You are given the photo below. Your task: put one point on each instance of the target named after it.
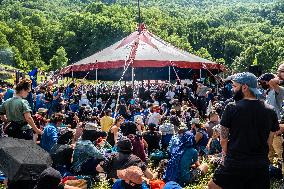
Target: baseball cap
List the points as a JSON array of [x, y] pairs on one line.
[[249, 79], [266, 77]]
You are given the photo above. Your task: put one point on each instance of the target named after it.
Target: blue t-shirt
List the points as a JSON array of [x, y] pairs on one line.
[[40, 100], [9, 94], [119, 185], [57, 101], [189, 157], [49, 137]]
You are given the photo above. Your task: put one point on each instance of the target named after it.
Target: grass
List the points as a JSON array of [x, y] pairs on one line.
[[202, 184]]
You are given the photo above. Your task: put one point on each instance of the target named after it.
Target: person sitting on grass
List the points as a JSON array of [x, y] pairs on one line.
[[184, 167], [123, 159], [50, 132], [214, 145], [86, 155], [130, 178]]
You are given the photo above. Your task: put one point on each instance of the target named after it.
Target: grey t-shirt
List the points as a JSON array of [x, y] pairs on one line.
[[202, 91], [276, 99], [14, 109]]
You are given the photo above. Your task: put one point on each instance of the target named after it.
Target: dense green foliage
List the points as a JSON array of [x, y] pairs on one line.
[[51, 33]]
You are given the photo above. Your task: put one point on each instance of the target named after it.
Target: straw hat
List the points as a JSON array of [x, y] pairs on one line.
[[133, 173]]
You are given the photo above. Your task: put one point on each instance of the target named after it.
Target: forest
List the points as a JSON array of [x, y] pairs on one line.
[[50, 34]]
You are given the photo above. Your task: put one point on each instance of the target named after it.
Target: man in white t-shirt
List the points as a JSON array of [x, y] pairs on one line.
[[170, 95], [155, 117]]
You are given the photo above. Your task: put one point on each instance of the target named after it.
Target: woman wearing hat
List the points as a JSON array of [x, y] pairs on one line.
[[130, 178]]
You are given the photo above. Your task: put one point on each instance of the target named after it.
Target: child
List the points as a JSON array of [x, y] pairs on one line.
[[214, 144]]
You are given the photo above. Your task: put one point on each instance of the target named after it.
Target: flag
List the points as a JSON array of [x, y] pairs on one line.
[[33, 77]]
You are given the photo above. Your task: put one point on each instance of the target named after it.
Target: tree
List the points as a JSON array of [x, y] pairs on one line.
[[246, 58], [59, 60], [3, 41], [231, 51], [268, 55], [203, 53]]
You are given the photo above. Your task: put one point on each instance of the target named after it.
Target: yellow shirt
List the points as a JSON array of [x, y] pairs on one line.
[[106, 123]]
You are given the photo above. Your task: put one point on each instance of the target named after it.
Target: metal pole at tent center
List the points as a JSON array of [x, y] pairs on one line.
[[200, 74], [96, 84], [132, 76], [169, 74], [72, 75]]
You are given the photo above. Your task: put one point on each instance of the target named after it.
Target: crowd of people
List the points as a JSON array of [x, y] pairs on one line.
[[152, 136]]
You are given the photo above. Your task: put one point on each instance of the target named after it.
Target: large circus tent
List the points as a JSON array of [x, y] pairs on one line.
[[140, 56]]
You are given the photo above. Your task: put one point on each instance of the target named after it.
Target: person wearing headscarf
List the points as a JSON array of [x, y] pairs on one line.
[[86, 155], [182, 159]]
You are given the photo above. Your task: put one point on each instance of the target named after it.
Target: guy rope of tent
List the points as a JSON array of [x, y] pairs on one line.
[[112, 88], [219, 81], [130, 59], [176, 73]]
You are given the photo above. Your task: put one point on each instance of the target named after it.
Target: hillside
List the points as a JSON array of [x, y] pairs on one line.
[[53, 33]]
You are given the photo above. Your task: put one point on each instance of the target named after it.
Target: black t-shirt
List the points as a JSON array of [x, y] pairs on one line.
[[152, 139], [48, 96], [250, 123], [61, 155], [119, 161]]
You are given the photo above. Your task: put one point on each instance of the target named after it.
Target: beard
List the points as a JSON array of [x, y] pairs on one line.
[[238, 95]]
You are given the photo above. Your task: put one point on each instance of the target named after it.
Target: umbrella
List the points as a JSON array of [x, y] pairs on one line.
[[22, 159]]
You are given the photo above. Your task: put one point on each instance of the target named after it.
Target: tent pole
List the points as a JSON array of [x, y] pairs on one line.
[[72, 76], [132, 74], [96, 84], [169, 74], [200, 74]]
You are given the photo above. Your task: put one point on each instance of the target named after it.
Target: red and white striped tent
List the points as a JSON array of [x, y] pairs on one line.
[[143, 51]]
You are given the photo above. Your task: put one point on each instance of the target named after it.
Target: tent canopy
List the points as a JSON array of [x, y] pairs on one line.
[[141, 49]]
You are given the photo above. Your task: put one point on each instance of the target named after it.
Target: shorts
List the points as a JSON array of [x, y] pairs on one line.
[[228, 177]]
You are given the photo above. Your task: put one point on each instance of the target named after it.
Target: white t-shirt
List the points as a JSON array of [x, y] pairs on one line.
[[154, 118], [170, 95], [84, 101]]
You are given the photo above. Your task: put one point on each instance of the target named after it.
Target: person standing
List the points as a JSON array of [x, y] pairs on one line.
[[16, 112], [201, 98], [274, 97], [247, 129]]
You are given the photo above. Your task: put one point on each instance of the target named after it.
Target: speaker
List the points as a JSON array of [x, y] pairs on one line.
[[256, 70]]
